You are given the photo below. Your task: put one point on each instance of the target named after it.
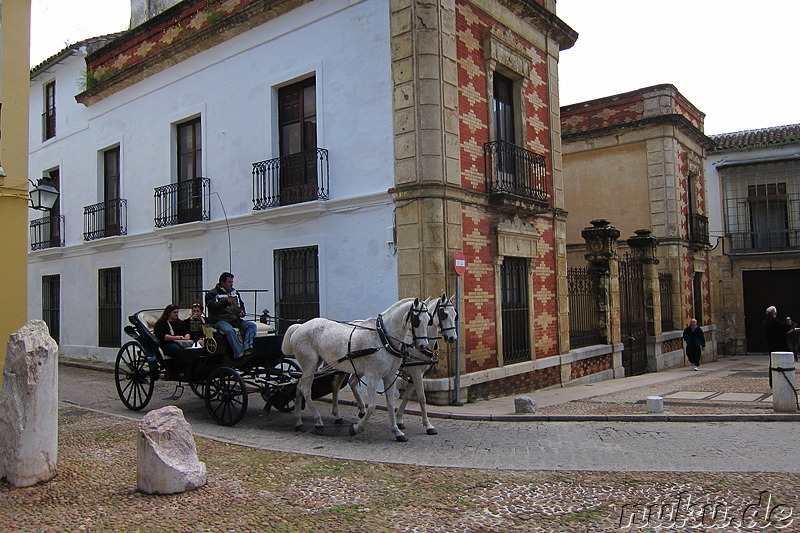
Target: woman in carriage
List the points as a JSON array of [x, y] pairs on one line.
[[172, 333]]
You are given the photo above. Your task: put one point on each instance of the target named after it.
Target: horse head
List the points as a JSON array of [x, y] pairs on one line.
[[420, 318], [446, 315]]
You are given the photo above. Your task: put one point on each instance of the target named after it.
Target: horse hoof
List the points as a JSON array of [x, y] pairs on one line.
[[400, 425], [299, 428], [401, 438], [431, 431], [339, 421], [353, 430], [362, 415], [318, 430]]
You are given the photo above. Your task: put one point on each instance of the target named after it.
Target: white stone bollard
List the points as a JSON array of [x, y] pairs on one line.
[[784, 399], [524, 405], [655, 404], [166, 454], [29, 407]]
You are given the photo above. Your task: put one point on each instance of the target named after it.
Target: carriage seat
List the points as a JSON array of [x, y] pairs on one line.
[[149, 317]]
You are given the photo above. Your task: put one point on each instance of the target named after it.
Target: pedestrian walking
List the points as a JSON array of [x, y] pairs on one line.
[[793, 338], [776, 331], [695, 343]]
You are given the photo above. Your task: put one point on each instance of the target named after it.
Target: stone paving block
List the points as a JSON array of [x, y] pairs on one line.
[[688, 395], [738, 397]]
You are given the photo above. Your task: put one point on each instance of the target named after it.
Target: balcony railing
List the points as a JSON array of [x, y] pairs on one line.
[[105, 219], [763, 223], [47, 232], [698, 228], [515, 171], [291, 179], [179, 203]]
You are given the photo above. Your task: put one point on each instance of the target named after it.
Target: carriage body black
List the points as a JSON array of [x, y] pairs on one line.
[[210, 371]]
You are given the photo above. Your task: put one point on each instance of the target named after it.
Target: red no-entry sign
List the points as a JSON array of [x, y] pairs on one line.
[[460, 263]]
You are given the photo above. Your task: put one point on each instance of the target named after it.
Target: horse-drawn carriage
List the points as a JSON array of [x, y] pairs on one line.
[[324, 354], [209, 370]]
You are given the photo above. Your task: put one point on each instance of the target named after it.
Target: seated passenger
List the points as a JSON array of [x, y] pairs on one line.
[[226, 309], [172, 333], [195, 324]]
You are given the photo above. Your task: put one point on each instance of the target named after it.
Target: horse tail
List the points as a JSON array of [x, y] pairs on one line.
[[286, 345]]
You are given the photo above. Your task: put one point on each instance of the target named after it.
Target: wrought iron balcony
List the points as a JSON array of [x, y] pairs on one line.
[[105, 219], [514, 171], [179, 203], [47, 232], [291, 179], [698, 228]]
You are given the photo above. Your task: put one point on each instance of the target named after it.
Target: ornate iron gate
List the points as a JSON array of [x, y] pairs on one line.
[[632, 316]]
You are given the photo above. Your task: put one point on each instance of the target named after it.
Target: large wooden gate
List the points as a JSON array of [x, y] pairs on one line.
[[632, 315]]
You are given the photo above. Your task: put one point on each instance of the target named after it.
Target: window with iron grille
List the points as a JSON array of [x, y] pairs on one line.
[[516, 324], [296, 285], [51, 304], [187, 282], [109, 303], [49, 115]]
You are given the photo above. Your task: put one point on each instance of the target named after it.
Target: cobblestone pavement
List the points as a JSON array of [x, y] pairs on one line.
[[607, 446], [475, 476], [252, 489]]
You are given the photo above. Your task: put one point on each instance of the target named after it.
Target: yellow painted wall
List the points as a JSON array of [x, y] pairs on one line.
[[608, 183], [15, 22]]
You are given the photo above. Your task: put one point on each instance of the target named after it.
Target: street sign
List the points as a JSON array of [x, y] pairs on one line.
[[460, 263]]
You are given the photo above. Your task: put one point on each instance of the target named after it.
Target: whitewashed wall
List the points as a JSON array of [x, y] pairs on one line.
[[233, 87]]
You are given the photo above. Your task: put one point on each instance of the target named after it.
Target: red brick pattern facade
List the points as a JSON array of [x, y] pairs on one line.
[[478, 222]]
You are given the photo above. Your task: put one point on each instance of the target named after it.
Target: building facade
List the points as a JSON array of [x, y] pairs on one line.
[[335, 154], [636, 159], [754, 195]]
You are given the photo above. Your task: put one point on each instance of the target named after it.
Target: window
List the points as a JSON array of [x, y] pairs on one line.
[[49, 115], [111, 190], [504, 109], [297, 123], [296, 285], [190, 171], [769, 215], [516, 324], [187, 282], [109, 304], [55, 213], [51, 304]]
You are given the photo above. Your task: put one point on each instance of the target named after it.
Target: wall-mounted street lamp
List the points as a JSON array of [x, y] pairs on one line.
[[44, 195]]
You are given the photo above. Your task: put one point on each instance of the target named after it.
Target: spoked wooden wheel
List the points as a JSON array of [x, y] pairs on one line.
[[198, 388], [226, 396], [133, 377], [281, 387]]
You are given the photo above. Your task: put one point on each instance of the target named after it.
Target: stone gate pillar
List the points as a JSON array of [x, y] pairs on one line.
[[643, 249], [601, 247]]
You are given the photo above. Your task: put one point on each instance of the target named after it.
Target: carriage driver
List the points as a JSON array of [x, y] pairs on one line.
[[226, 309]]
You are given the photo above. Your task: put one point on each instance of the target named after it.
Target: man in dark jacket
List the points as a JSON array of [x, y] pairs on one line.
[[695, 343], [226, 309], [775, 331]]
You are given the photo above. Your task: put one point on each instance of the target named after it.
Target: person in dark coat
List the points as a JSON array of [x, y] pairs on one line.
[[775, 331], [695, 343]]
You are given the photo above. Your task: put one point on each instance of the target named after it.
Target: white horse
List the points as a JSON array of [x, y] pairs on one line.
[[445, 317], [372, 351], [414, 367]]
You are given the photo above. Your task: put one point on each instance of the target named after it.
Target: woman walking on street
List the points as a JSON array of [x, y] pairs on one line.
[[695, 343]]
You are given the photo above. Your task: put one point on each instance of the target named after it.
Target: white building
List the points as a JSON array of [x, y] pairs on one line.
[[212, 116]]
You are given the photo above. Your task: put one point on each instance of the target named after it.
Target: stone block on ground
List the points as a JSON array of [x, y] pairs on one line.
[[524, 405], [167, 460], [29, 407]]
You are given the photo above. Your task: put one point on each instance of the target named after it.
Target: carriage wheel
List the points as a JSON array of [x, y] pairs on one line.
[[226, 396], [133, 377], [198, 388], [285, 368]]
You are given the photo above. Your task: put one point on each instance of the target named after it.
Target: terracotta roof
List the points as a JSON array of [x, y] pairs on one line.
[[91, 44], [742, 140]]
